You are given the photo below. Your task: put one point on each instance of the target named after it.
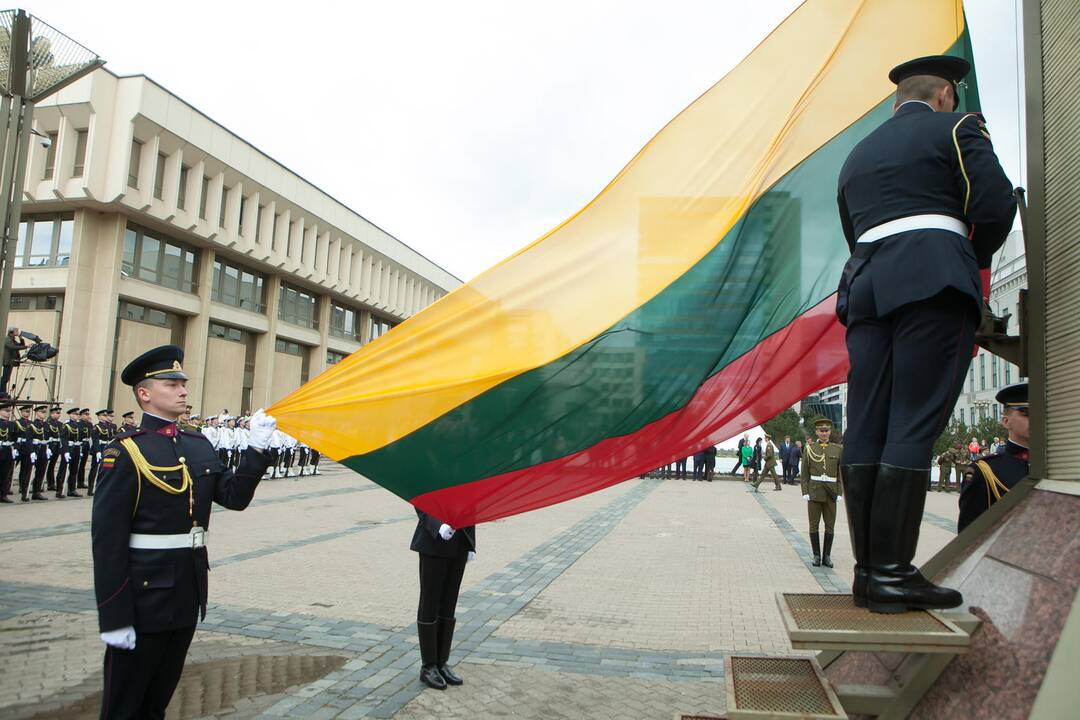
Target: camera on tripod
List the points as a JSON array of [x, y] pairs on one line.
[[40, 351]]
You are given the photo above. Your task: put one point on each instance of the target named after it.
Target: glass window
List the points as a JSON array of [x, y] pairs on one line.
[[133, 164], [159, 176], [1008, 373], [130, 239], [298, 306], [962, 420], [333, 358], [230, 291], [80, 153], [343, 322], [63, 244], [188, 278], [994, 371], [181, 193], [224, 202], [41, 244], [20, 245], [202, 197], [982, 371], [172, 265], [50, 156], [238, 286], [148, 258]]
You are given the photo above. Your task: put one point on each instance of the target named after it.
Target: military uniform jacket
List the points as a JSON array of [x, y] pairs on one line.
[[426, 539], [8, 434], [987, 480], [69, 438], [159, 590], [818, 460], [24, 441], [770, 456], [55, 432], [923, 162], [100, 437]]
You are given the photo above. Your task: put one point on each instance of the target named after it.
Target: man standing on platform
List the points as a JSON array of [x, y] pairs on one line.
[[923, 204], [821, 487], [149, 535]]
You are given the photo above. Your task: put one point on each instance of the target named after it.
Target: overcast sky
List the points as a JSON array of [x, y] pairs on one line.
[[465, 129]]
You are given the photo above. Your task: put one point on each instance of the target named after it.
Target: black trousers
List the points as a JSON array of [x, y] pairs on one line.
[[26, 472], [139, 683], [907, 370], [680, 469], [54, 461], [7, 466], [80, 472], [91, 475], [72, 467], [440, 582], [40, 467]]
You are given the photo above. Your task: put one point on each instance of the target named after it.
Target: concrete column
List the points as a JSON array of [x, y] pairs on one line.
[[322, 253], [311, 241], [88, 327], [213, 203], [365, 326], [264, 347], [333, 262], [296, 243], [230, 234], [280, 241], [196, 332], [365, 278], [170, 191], [249, 219], [356, 270]]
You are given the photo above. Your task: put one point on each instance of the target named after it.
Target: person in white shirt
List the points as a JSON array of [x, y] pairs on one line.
[[227, 440], [277, 440], [289, 452], [212, 431], [241, 436]]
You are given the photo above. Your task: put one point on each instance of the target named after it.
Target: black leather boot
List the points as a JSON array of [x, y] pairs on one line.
[[815, 545], [826, 549], [895, 585], [429, 655], [858, 484], [446, 638]]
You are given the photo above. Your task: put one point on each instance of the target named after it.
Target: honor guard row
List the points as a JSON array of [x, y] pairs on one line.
[[46, 454]]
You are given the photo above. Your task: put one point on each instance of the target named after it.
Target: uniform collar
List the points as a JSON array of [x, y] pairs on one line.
[[912, 106], [1017, 450], [159, 425]]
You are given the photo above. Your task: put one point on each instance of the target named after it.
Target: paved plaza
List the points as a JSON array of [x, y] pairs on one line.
[[621, 604]]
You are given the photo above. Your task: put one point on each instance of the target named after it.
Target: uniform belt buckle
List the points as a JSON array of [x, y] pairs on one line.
[[198, 538]]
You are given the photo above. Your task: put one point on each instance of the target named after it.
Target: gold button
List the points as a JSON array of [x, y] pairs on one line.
[[146, 583]]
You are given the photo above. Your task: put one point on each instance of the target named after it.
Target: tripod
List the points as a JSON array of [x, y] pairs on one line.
[[29, 371]]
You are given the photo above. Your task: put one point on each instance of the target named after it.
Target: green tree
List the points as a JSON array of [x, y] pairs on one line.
[[786, 423]]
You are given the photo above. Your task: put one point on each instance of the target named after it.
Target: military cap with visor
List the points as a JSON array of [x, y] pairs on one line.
[[161, 363], [1014, 396], [948, 67]]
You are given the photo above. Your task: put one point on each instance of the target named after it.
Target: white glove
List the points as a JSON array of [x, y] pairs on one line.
[[806, 498], [837, 499], [124, 638], [14, 454], [33, 457], [99, 457], [67, 456], [446, 532], [471, 557], [48, 454], [262, 427]]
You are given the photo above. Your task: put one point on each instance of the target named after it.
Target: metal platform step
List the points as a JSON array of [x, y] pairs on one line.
[[771, 688], [832, 622]]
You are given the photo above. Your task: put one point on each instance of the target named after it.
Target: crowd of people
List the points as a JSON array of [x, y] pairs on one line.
[[41, 454]]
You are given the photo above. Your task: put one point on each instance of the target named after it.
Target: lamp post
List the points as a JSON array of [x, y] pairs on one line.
[[41, 61]]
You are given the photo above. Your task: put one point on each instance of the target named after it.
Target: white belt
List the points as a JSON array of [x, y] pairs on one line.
[[822, 478], [913, 222], [196, 538]]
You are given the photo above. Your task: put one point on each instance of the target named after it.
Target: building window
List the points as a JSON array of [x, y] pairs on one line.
[[45, 240], [159, 176], [333, 358], [288, 239], [379, 326], [1008, 373], [133, 164], [158, 259], [344, 322], [238, 286], [79, 167], [50, 157], [202, 197], [37, 302], [982, 371], [298, 307], [962, 421], [288, 347], [224, 202], [181, 192], [971, 379], [243, 208], [994, 371], [258, 222]]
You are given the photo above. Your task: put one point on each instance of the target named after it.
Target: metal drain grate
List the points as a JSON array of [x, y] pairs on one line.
[[832, 622], [838, 612], [779, 687]]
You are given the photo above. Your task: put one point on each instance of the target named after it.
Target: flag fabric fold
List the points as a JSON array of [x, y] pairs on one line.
[[692, 298]]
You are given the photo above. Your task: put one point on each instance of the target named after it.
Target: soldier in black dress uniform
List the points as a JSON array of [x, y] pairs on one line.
[[149, 525], [27, 452], [86, 440], [7, 450], [443, 554], [55, 429], [100, 436], [987, 480], [127, 425], [71, 448], [924, 204], [39, 433]]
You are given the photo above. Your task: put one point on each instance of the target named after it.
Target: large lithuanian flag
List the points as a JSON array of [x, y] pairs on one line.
[[692, 298]]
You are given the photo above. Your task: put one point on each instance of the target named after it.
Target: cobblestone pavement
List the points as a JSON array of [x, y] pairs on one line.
[[621, 604]]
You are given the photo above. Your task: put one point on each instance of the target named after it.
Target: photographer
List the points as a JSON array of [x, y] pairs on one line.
[[14, 345]]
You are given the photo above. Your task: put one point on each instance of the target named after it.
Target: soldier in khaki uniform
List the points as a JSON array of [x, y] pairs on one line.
[[945, 464], [770, 465], [820, 476], [961, 461]]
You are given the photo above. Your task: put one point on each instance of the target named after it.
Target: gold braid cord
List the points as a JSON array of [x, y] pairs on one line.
[[994, 487], [815, 458], [146, 470]]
